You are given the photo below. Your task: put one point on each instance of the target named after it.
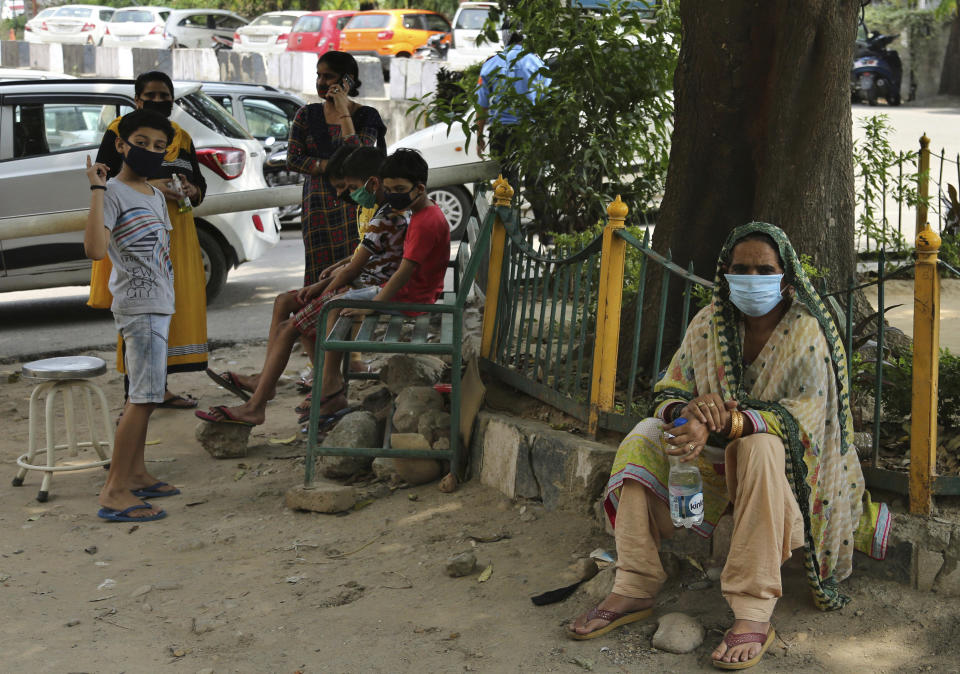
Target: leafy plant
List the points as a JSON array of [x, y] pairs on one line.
[[589, 136], [882, 171]]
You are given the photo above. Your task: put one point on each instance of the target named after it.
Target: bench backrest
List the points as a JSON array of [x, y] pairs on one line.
[[478, 251]]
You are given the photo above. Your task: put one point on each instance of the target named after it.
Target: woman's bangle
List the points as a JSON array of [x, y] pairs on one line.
[[98, 187], [346, 117], [736, 425]]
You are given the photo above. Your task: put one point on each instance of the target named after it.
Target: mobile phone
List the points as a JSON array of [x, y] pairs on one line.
[[348, 84]]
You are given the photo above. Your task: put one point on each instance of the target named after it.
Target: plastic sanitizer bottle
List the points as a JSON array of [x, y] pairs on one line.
[[183, 203], [686, 489]]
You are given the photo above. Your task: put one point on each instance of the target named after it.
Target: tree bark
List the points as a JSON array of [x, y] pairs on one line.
[[762, 132], [950, 75]]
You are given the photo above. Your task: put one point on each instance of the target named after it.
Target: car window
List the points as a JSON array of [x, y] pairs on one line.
[[472, 19], [227, 22], [133, 16], [413, 21], [46, 13], [43, 128], [209, 113], [368, 21], [342, 21], [265, 118], [225, 101], [436, 22], [308, 24], [194, 21], [164, 15], [278, 20], [73, 13], [105, 14]]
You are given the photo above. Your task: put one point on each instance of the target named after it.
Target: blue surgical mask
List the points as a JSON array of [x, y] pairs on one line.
[[755, 294]]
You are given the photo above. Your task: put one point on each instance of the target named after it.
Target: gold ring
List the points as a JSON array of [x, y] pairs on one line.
[[701, 404], [711, 404], [692, 446]]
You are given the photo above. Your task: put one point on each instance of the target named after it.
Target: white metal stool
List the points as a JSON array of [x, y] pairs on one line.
[[66, 376]]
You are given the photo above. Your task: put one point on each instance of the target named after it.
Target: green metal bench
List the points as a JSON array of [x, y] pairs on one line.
[[385, 333]]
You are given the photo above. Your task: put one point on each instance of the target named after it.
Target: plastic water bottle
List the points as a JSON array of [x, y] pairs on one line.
[[686, 489], [183, 203]]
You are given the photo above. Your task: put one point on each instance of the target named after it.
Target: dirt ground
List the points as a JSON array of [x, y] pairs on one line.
[[232, 581]]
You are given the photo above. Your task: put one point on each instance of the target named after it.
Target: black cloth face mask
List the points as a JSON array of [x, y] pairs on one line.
[[143, 162], [165, 108]]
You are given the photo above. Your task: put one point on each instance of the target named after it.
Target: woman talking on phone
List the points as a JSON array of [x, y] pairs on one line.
[[329, 220]]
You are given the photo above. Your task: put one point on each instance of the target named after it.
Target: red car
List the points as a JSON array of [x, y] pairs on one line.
[[318, 32]]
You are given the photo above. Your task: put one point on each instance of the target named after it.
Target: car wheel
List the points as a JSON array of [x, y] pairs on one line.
[[403, 55], [455, 203], [214, 263]]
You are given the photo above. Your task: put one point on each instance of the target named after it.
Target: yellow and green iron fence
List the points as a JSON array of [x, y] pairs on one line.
[[552, 328]]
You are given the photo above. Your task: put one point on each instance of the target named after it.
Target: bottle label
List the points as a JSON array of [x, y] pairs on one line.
[[682, 507]]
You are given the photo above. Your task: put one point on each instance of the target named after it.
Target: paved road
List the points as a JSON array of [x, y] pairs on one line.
[[58, 320]]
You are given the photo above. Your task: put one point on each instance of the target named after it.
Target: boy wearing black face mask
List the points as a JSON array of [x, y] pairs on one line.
[[128, 221], [418, 279]]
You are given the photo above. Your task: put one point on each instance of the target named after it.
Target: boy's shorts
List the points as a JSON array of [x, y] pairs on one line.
[[306, 318], [145, 354]]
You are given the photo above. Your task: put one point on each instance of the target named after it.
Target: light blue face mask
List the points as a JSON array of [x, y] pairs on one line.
[[755, 294]]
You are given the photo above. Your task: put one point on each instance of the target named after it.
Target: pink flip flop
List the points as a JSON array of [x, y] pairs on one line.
[[226, 416]]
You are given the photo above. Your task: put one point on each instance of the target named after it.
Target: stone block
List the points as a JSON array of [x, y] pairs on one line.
[[223, 441], [152, 59], [678, 633], [404, 370], [357, 429], [412, 404], [502, 443], [948, 581], [321, 497], [371, 76], [929, 564], [528, 459], [434, 424], [414, 471], [596, 589], [570, 470], [385, 469]]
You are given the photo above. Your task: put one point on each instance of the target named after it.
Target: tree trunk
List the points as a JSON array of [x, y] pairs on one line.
[[762, 132], [950, 75]]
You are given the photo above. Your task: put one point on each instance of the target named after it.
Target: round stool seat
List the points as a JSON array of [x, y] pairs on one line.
[[65, 367]]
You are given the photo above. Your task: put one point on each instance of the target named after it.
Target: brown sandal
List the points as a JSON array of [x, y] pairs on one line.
[[746, 638], [615, 619]]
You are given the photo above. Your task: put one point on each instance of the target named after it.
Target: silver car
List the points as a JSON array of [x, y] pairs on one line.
[[48, 128], [195, 28]]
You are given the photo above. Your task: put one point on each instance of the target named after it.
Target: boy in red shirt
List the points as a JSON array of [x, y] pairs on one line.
[[418, 280]]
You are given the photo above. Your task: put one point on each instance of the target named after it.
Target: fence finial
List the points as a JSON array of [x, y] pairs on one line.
[[924, 141], [502, 192], [928, 241], [617, 212]]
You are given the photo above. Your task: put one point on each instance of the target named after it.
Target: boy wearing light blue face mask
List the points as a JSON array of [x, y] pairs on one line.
[[128, 221]]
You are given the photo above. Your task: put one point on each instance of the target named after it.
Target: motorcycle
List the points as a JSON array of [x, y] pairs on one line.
[[877, 71], [435, 49], [275, 172]]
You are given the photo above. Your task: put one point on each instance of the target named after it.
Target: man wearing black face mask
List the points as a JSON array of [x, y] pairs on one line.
[[153, 91]]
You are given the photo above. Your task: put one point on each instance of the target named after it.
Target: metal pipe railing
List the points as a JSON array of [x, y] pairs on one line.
[[20, 226]]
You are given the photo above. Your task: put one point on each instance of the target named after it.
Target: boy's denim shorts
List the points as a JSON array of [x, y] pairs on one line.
[[145, 354]]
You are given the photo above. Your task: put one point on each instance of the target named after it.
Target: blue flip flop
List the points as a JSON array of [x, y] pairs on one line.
[[112, 515], [154, 491]]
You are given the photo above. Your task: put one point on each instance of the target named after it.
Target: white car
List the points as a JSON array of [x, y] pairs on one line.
[[33, 29], [454, 166], [29, 74], [47, 130], [468, 23], [77, 24], [267, 34], [143, 27]]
